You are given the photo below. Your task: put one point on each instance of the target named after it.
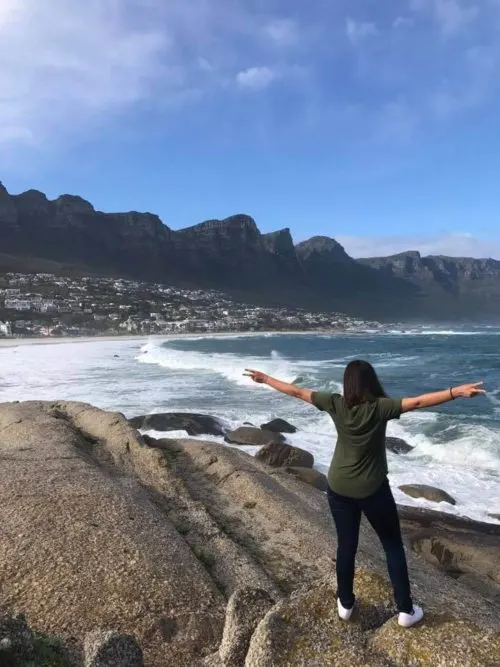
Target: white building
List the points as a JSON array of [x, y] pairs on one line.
[[5, 329], [18, 304]]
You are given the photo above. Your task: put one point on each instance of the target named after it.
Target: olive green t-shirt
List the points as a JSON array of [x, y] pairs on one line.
[[359, 464]]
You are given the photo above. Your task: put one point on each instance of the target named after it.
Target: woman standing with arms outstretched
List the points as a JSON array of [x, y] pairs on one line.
[[357, 478]]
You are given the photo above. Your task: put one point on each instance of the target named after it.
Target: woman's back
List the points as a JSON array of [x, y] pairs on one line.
[[359, 464]]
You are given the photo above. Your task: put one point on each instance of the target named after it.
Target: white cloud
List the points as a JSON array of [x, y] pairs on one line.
[[451, 15], [282, 32], [453, 245], [69, 63], [358, 31], [401, 22], [256, 78]]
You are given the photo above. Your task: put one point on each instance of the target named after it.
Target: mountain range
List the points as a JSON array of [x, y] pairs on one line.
[[68, 235]]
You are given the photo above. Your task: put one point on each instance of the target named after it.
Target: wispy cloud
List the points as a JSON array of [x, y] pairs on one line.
[[451, 16], [68, 66], [256, 78], [358, 31], [453, 245], [75, 61], [282, 32]]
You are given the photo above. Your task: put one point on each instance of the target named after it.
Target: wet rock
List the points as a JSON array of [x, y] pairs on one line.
[[279, 426], [280, 455], [254, 437], [310, 476], [111, 649], [193, 424], [245, 609], [428, 492], [398, 445]]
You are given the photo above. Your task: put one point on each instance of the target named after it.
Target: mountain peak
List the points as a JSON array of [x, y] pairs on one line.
[[324, 247]]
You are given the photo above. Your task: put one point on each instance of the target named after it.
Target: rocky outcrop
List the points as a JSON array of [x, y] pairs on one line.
[[88, 546], [110, 649], [280, 455], [310, 476], [440, 641], [245, 609], [279, 426], [253, 437], [101, 530], [428, 492], [466, 550], [193, 424], [305, 630]]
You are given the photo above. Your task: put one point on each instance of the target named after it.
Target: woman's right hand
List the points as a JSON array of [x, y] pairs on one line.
[[468, 390]]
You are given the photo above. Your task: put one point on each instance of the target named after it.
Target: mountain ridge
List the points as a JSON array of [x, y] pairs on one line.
[[234, 255]]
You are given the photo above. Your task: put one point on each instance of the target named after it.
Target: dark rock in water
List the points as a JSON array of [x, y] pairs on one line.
[[116, 356], [246, 435], [398, 445], [16, 640], [428, 492], [111, 649], [193, 424], [310, 476], [280, 455], [279, 426]]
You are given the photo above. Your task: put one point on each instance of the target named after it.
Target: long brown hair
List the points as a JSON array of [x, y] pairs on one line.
[[361, 383]]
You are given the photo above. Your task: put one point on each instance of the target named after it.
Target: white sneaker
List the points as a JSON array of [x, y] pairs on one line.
[[407, 620], [345, 614]]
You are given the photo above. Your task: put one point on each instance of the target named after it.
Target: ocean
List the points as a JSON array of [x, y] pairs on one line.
[[456, 446]]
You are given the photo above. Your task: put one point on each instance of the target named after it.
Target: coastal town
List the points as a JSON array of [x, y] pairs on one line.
[[46, 305]]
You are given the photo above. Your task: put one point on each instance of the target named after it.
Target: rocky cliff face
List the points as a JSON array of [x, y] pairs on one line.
[[232, 254], [473, 284]]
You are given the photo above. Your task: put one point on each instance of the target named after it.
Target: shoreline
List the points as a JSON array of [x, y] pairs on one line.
[[17, 342]]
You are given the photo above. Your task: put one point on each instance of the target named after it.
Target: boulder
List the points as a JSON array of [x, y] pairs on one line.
[[16, 640], [246, 435], [279, 426], [103, 553], [310, 476], [398, 445], [246, 607], [193, 424], [280, 455], [112, 649], [428, 492], [439, 641], [305, 629]]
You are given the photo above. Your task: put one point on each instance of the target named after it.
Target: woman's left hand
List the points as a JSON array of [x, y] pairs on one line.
[[256, 376]]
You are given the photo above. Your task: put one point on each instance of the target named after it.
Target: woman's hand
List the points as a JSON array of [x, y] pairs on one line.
[[468, 390], [256, 376]]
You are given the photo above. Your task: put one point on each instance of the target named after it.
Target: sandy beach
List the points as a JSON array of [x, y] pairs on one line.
[[16, 342]]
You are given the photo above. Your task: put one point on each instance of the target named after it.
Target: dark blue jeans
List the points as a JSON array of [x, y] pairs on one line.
[[381, 511]]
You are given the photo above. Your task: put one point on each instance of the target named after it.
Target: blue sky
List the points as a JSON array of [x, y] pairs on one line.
[[373, 122]]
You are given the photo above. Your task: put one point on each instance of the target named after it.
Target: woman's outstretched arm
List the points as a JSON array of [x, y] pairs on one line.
[[283, 387], [440, 397]]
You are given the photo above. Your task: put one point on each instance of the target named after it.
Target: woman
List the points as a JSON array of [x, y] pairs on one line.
[[357, 478]]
